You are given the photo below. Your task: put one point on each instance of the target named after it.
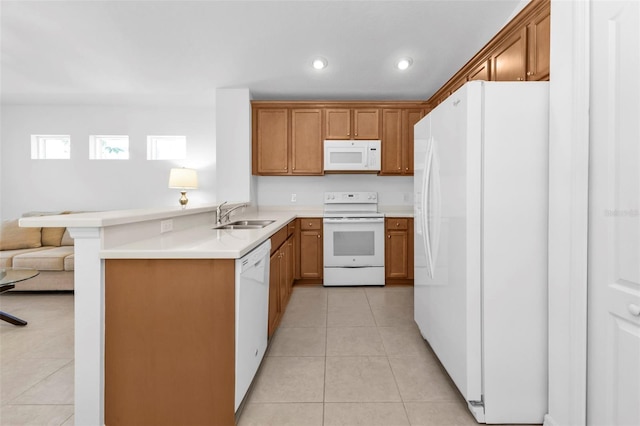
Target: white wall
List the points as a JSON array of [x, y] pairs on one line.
[[233, 135], [83, 184], [393, 191]]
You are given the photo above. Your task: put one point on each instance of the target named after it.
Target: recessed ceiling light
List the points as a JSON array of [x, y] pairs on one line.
[[404, 63], [320, 63]]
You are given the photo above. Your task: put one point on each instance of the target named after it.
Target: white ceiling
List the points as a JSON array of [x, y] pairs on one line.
[[168, 52]]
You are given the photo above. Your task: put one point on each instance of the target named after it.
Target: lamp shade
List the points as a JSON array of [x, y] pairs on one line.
[[183, 178]]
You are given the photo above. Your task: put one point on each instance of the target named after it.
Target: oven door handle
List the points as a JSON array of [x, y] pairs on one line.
[[332, 220]]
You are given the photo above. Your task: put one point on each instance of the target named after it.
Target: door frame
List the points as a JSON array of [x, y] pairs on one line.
[[568, 211]]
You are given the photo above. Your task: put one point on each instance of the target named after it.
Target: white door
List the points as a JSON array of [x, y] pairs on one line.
[[613, 357]]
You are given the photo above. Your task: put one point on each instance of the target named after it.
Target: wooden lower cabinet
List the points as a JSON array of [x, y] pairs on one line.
[[310, 249], [281, 277], [169, 342], [274, 293], [398, 251]]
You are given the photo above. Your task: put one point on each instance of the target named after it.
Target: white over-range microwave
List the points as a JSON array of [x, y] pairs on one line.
[[352, 155]]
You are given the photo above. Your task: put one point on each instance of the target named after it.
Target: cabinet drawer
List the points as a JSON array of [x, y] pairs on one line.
[[310, 223], [397, 223], [277, 239], [291, 228]]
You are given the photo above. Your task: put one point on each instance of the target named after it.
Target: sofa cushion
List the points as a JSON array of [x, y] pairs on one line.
[[13, 237], [51, 259], [50, 236], [66, 239], [69, 262], [6, 256]]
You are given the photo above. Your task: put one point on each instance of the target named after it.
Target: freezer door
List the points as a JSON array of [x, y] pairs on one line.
[[447, 287]]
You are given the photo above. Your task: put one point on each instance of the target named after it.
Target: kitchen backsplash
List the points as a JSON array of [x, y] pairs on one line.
[[393, 191]]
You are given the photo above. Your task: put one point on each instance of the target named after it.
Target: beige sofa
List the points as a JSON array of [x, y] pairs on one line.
[[49, 250]]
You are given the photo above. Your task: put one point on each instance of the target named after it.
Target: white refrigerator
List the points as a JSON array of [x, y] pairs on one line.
[[481, 206]]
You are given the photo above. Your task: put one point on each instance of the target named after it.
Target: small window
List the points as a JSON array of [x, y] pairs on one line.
[[50, 147], [166, 147], [104, 147]]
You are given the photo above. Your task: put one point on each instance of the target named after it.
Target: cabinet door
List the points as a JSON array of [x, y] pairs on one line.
[[509, 58], [409, 118], [391, 142], [290, 260], [538, 40], [283, 289], [310, 253], [366, 124], [396, 265], [306, 141], [481, 72], [337, 123], [271, 144], [274, 293]]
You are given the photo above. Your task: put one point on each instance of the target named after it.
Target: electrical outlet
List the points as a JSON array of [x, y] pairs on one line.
[[166, 226], [293, 198]]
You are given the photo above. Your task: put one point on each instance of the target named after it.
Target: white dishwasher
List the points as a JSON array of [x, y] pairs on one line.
[[252, 315]]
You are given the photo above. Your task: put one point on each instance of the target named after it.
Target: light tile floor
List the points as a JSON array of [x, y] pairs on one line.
[[36, 361], [351, 356], [342, 356]]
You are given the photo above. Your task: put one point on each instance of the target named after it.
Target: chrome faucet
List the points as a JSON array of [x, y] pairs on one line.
[[220, 216]]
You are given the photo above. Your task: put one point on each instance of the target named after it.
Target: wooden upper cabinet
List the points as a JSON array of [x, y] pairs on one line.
[[520, 51], [538, 39], [306, 142], [346, 123], [397, 140], [391, 141], [287, 141], [338, 123], [271, 127], [409, 119], [481, 72], [509, 60], [366, 123]]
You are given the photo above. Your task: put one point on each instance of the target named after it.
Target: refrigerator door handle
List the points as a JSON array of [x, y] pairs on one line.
[[435, 205], [426, 192]]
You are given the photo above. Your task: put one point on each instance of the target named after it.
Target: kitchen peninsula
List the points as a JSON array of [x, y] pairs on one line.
[[179, 287]]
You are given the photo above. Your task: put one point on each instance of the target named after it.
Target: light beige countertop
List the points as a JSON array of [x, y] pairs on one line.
[[203, 242]]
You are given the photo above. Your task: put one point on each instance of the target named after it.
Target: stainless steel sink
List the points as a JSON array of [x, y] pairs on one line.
[[245, 224], [259, 223]]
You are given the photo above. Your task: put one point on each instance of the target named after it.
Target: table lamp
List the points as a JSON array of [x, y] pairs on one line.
[[183, 179]]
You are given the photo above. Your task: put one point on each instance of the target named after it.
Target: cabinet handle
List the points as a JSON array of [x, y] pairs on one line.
[[530, 73], [406, 168], [318, 235], [285, 167], [397, 224], [388, 236], [309, 223], [520, 78]]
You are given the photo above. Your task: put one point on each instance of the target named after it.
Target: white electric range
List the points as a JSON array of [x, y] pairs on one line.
[[353, 239]]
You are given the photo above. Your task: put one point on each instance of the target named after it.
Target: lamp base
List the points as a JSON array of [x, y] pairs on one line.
[[183, 199]]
